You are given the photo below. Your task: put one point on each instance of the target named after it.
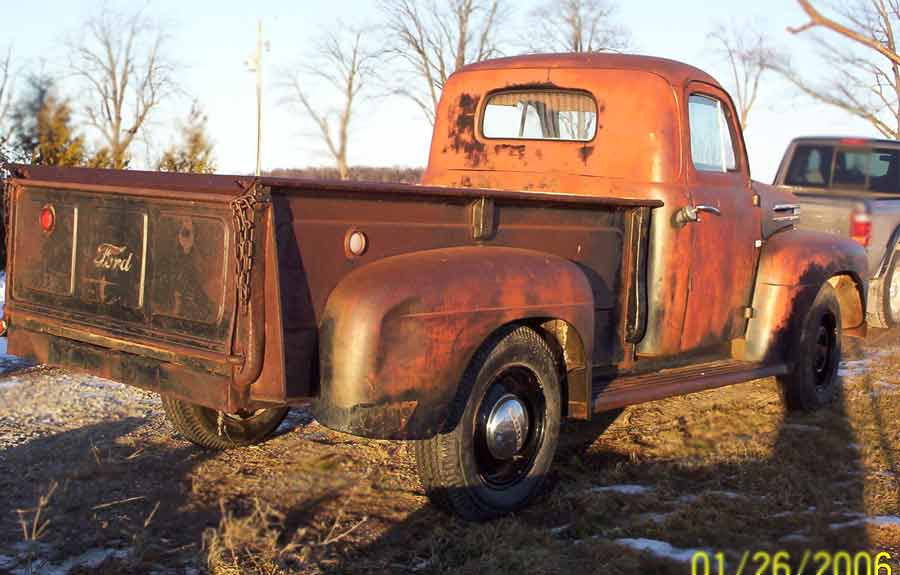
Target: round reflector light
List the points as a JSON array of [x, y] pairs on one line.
[[357, 243], [48, 218]]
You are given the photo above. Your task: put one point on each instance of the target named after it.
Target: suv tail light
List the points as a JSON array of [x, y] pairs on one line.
[[860, 225]]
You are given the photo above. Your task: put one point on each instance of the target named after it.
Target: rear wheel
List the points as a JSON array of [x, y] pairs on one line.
[[219, 430], [813, 381], [508, 411]]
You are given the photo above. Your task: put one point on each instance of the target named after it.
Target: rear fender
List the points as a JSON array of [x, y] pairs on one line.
[[793, 266], [397, 334]]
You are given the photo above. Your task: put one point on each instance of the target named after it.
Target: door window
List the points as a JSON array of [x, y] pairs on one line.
[[712, 147]]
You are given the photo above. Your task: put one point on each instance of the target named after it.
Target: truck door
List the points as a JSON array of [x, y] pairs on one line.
[[725, 233]]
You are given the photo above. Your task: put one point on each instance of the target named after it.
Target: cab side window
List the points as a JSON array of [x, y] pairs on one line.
[[712, 146]]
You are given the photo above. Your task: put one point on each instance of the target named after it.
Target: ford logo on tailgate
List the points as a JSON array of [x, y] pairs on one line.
[[113, 257]]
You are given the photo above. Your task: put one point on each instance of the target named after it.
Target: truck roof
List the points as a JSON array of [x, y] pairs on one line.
[[676, 73]]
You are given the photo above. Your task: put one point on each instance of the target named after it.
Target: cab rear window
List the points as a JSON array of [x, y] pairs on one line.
[[823, 166], [540, 115]]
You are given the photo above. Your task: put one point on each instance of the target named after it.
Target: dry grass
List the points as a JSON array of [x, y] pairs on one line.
[[725, 470]]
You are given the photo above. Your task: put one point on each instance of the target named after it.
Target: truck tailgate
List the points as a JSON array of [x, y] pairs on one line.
[[145, 268]]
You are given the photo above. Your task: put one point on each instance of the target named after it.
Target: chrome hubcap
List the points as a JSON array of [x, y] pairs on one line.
[[507, 427]]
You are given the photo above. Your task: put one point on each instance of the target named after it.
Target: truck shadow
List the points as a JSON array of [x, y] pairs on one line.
[[103, 495], [806, 493]]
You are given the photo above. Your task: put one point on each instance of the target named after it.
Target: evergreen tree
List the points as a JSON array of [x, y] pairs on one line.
[[42, 127], [194, 153]]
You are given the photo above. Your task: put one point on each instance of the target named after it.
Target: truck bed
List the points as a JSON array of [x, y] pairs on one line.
[[140, 279]]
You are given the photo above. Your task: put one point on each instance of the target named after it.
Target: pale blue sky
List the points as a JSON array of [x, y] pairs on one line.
[[212, 39]]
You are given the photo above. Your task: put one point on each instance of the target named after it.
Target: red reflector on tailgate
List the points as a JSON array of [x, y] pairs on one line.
[[47, 218]]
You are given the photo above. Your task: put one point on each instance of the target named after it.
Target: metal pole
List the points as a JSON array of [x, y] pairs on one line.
[[259, 50]]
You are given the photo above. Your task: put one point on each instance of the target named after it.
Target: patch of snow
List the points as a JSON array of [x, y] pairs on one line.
[[296, 417], [90, 560], [560, 529], [10, 383], [726, 494], [881, 521], [853, 367], [660, 549], [784, 514], [692, 498], [794, 538], [623, 489]]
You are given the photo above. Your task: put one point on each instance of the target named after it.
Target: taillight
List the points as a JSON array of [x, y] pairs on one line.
[[47, 218], [861, 225]]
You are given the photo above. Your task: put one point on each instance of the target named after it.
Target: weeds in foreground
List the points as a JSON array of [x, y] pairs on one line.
[[35, 527], [251, 541], [256, 543]]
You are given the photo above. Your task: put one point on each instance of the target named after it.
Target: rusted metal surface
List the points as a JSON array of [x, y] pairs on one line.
[[404, 328], [628, 390], [795, 264], [271, 304]]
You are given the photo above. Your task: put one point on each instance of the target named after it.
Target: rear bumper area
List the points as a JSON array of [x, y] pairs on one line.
[[197, 386]]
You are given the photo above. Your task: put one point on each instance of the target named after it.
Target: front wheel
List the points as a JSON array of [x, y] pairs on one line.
[[813, 380], [219, 430], [508, 414]]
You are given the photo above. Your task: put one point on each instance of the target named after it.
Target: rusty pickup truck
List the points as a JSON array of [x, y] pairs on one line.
[[586, 236]]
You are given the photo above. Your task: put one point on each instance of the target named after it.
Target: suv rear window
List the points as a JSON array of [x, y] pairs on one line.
[[821, 166], [540, 115]]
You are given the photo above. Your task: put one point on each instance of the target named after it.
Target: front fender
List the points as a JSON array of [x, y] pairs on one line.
[[793, 266], [397, 334]]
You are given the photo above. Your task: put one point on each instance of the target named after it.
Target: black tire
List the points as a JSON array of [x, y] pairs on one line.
[[813, 381], [457, 468], [891, 297], [201, 425]]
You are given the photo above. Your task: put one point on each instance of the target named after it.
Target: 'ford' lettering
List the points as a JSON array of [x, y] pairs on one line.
[[113, 257]]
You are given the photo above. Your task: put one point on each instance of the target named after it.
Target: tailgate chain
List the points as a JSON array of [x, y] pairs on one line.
[[243, 210]]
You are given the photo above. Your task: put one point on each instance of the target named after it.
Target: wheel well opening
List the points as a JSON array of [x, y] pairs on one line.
[[850, 298], [568, 348]]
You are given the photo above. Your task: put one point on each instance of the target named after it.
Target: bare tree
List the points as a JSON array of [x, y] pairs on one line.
[[576, 26], [122, 64], [347, 65], [860, 47], [749, 54], [6, 96], [434, 38]]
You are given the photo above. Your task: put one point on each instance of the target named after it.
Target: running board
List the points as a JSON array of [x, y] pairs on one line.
[[629, 390]]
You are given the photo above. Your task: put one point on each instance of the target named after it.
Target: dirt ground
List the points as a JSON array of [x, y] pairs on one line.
[[92, 480]]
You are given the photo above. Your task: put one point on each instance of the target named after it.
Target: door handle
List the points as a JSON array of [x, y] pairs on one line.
[[689, 214]]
